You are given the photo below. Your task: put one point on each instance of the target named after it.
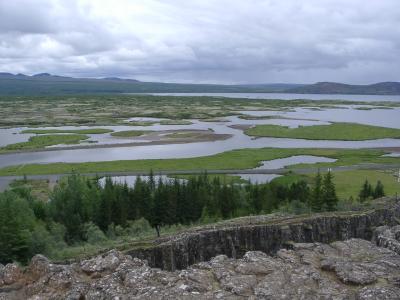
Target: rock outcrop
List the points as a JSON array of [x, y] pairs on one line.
[[351, 269], [266, 234]]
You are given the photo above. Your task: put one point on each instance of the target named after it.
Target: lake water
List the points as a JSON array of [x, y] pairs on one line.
[[131, 180], [258, 178], [376, 117], [380, 117], [293, 160], [284, 96]]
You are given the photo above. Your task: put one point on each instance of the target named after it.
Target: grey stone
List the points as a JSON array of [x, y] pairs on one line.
[[11, 273]]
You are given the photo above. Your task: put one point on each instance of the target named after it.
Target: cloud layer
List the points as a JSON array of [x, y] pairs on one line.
[[224, 41]]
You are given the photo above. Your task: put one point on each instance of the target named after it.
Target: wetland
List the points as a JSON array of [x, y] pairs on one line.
[[136, 133]]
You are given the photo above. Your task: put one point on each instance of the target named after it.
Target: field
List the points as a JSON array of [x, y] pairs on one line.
[[42, 141], [348, 183], [335, 131], [175, 122], [129, 133], [230, 160], [77, 131]]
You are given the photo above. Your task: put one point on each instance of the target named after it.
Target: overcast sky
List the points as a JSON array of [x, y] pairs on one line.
[[221, 41]]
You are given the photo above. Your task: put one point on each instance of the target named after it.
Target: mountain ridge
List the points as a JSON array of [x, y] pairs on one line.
[[49, 84], [380, 88]]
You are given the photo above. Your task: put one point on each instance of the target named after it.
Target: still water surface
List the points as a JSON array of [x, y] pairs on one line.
[[380, 117]]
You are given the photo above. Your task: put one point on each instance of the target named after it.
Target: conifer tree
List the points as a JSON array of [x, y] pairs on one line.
[[329, 197], [316, 195], [365, 192], [379, 190]]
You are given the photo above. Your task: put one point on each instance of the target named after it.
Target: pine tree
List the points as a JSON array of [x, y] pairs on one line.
[[160, 205], [379, 190], [365, 192], [329, 197], [316, 195], [104, 214]]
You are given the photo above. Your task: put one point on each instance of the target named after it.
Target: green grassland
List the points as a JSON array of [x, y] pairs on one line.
[[235, 159], [175, 122], [348, 183], [335, 131], [129, 133], [141, 123], [78, 131], [42, 141]]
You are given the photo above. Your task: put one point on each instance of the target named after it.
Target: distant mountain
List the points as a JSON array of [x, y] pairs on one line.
[[47, 84], [382, 88]]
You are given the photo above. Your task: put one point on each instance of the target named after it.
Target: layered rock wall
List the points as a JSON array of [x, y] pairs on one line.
[[186, 249]]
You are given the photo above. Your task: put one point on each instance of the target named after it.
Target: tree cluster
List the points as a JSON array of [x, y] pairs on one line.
[[368, 192], [82, 210], [323, 195]]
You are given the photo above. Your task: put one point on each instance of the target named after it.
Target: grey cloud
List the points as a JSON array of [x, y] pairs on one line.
[[204, 41]]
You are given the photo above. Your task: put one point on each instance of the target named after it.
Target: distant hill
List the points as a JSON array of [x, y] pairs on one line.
[[382, 88], [47, 84]]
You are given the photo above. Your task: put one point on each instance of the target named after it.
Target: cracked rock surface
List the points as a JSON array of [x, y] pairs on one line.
[[351, 269]]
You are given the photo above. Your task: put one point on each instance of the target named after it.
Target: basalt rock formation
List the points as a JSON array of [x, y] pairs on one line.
[[351, 269], [299, 260], [266, 234]]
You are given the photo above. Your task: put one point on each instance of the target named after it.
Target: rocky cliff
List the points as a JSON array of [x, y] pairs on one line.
[[351, 269], [264, 234]]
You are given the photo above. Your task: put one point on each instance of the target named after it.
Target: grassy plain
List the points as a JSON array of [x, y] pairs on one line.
[[78, 131], [141, 123], [235, 159], [175, 122], [42, 141], [335, 131], [348, 183], [129, 133]]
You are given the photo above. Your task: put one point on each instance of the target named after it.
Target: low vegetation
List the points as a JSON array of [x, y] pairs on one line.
[[42, 141], [348, 183], [335, 131], [141, 123], [129, 133], [235, 159], [175, 122], [78, 131]]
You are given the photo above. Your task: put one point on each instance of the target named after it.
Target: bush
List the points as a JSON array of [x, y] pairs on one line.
[[294, 207], [138, 227], [93, 234], [42, 242]]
